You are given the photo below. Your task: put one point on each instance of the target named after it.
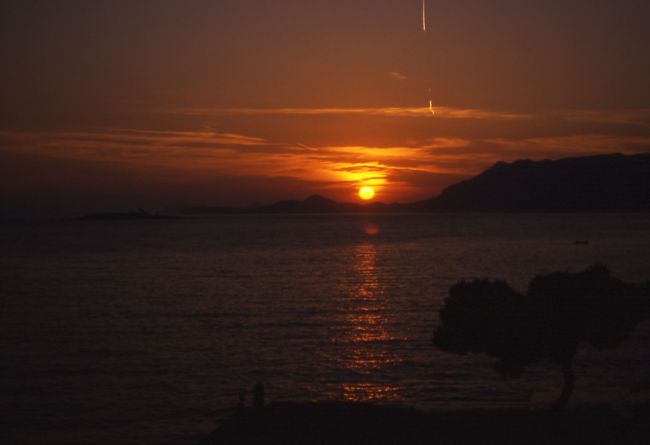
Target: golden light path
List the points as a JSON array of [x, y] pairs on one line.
[[366, 193], [369, 332]]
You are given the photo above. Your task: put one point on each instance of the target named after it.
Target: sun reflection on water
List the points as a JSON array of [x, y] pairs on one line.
[[368, 392], [369, 332], [371, 229]]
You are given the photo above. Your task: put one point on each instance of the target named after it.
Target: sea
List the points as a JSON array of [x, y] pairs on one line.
[[147, 332]]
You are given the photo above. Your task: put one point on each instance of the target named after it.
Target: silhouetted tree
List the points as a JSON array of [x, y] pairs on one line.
[[559, 311]]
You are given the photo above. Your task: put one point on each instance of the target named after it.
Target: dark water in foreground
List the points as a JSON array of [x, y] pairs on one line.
[[145, 332]]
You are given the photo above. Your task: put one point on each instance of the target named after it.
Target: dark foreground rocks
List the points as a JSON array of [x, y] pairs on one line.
[[352, 423]]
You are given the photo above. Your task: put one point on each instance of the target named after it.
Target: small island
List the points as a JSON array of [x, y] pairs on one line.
[[138, 215]]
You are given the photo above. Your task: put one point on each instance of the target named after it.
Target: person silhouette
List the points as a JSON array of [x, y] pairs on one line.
[[258, 395]]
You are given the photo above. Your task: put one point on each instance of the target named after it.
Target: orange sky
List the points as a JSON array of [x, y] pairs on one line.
[[110, 105]]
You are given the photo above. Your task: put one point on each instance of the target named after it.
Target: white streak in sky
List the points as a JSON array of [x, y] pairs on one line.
[[431, 108], [424, 15]]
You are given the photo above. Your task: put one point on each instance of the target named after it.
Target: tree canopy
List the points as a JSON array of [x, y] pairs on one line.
[[560, 311]]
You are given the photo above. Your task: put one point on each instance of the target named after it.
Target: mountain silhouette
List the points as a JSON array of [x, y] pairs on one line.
[[605, 183], [313, 204]]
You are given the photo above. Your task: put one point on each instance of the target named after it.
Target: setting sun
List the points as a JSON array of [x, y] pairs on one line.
[[366, 193]]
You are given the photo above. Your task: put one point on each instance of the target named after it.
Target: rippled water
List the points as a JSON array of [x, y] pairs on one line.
[[146, 332]]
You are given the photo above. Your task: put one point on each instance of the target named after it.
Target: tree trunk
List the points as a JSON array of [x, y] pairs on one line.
[[567, 387]]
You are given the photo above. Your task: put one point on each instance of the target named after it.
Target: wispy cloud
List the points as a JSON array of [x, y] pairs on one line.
[[415, 168], [397, 75], [636, 117], [118, 144], [402, 112], [630, 117], [445, 142], [209, 152], [575, 144]]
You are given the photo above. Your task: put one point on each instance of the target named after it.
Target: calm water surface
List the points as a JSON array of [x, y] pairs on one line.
[[146, 332]]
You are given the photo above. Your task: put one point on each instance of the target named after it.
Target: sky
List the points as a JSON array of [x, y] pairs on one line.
[[115, 105]]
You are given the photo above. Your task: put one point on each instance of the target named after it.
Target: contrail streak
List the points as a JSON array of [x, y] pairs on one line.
[[431, 108], [424, 15]]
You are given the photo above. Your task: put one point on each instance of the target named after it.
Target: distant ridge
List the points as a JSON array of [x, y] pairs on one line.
[[604, 183], [313, 204]]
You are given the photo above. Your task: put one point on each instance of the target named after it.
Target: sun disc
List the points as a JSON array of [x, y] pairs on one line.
[[366, 193]]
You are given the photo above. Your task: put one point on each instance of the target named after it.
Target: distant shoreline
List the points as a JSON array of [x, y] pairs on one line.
[[125, 216], [115, 217], [190, 216]]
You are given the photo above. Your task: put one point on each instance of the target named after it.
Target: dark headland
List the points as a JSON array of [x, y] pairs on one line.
[[605, 183]]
